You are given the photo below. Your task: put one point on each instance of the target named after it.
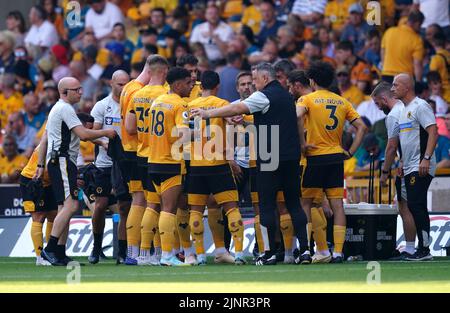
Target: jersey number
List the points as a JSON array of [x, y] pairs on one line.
[[332, 108], [157, 123], [143, 114]]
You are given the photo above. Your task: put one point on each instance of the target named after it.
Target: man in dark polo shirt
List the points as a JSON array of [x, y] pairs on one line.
[[278, 155]]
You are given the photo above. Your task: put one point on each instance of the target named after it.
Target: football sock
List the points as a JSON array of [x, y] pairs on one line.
[[149, 226], [98, 239], [157, 241], [339, 238], [167, 231], [48, 230], [122, 248], [52, 244], [308, 231], [287, 230], [215, 222], [319, 228], [183, 228], [259, 238], [134, 224], [410, 247], [236, 228], [36, 237], [197, 230]]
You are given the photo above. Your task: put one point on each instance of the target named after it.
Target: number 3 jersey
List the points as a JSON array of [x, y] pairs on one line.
[[140, 106], [326, 115], [167, 113]]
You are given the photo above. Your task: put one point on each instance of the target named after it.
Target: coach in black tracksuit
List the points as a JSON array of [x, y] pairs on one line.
[[278, 155]]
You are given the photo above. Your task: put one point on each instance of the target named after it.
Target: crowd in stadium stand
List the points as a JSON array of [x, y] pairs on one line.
[[92, 41]]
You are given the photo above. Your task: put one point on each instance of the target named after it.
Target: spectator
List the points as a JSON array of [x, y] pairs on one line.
[[117, 60], [431, 31], [443, 147], [269, 23], [89, 84], [372, 49], [23, 81], [360, 71], [148, 36], [10, 100], [228, 74], [440, 63], [213, 35], [247, 37], [373, 151], [283, 8], [7, 56], [435, 12], [54, 15], [42, 33], [348, 91], [198, 14], [287, 44], [33, 116], [158, 22], [402, 49], [101, 18], [251, 17], [120, 35], [435, 85], [60, 63], [11, 162], [282, 69], [336, 14], [310, 11], [89, 57], [23, 134], [269, 52], [75, 31], [15, 23], [328, 46], [312, 51], [51, 95], [357, 28]]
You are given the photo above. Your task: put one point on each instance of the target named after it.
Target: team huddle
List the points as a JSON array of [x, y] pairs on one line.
[[146, 132]]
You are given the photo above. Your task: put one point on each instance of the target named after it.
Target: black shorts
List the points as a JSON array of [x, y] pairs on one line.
[[215, 180], [253, 180], [109, 178], [324, 176], [37, 200], [130, 163], [63, 175]]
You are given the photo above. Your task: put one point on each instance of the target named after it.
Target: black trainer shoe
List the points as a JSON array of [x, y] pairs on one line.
[[266, 260], [304, 258], [280, 255], [103, 257], [400, 256], [51, 258], [420, 255], [180, 256], [296, 253], [94, 258], [338, 259]]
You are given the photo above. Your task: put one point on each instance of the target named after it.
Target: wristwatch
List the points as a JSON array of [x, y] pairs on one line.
[[427, 157]]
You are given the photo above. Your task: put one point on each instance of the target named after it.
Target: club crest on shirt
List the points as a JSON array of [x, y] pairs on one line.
[[409, 115], [412, 180], [108, 109], [108, 120]]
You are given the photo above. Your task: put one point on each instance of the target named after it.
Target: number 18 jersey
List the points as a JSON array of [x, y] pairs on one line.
[[325, 117]]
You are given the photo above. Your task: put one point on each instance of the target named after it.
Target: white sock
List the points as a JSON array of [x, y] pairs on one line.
[[323, 252], [133, 251], [239, 255], [166, 255], [176, 251], [336, 254], [220, 251], [189, 251], [410, 247], [144, 252], [288, 252], [158, 251]]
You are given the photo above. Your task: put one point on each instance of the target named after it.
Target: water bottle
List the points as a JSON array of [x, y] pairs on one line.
[[355, 258]]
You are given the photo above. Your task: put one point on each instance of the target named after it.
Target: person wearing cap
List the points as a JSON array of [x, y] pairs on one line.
[[356, 30], [60, 63], [101, 18], [117, 60], [348, 91]]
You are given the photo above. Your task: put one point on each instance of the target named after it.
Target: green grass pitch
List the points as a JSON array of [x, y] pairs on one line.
[[21, 275]]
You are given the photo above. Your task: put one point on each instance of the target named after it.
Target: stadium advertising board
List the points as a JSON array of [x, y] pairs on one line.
[[16, 242]]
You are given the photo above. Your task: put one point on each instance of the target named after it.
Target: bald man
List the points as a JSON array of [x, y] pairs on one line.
[[58, 152], [418, 137], [107, 115]]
